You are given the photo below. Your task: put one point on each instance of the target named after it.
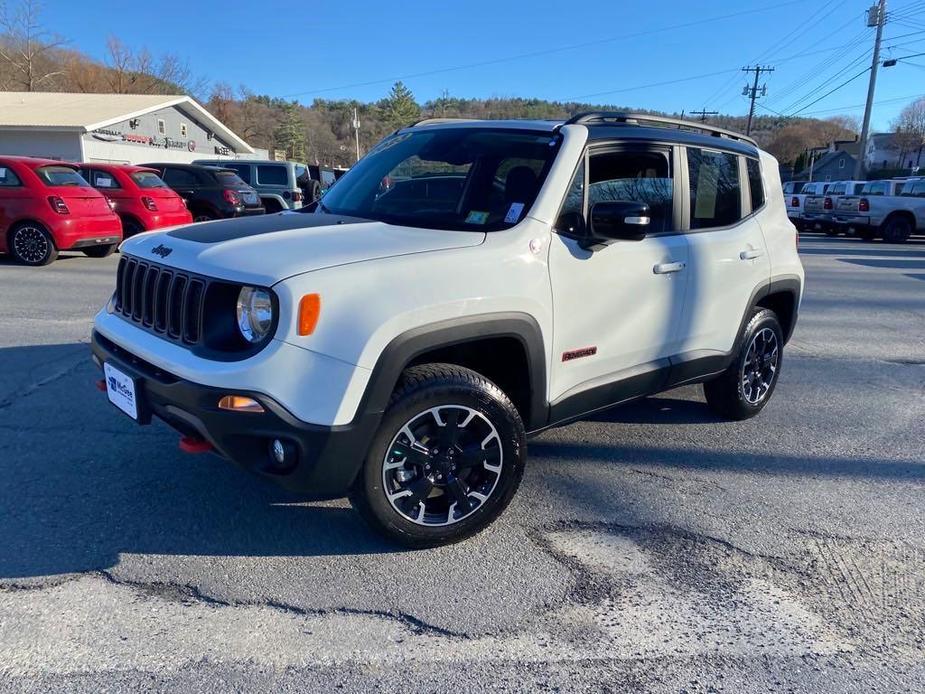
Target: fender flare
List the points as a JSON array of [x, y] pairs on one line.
[[406, 347], [785, 284]]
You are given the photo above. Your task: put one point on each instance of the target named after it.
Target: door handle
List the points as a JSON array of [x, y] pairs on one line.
[[751, 254], [667, 268]]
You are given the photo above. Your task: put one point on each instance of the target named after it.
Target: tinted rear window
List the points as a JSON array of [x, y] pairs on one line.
[[270, 175], [8, 178], [243, 171], [755, 184], [148, 179], [229, 178], [61, 176]]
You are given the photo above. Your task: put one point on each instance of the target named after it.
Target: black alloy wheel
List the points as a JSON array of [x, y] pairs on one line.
[[446, 461], [442, 465]]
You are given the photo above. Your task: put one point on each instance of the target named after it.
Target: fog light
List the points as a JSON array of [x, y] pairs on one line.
[[283, 455], [239, 403]]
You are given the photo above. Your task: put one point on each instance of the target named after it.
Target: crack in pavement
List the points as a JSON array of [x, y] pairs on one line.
[[31, 388], [186, 593]]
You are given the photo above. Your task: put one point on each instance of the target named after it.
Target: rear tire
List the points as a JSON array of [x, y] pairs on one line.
[[100, 251], [202, 217], [130, 227], [30, 244], [446, 460], [897, 230], [831, 231], [866, 234], [747, 385]]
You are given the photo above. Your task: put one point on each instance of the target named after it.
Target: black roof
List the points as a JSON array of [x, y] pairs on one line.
[[189, 167], [641, 133]]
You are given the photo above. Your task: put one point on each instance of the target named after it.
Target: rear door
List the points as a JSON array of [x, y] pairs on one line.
[[728, 257]]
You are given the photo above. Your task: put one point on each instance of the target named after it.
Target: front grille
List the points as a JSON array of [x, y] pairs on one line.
[[165, 301]]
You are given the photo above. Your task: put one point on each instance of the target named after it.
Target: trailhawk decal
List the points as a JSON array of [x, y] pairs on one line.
[[579, 353]]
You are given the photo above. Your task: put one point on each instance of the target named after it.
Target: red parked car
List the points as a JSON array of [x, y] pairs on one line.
[[46, 207], [138, 195]]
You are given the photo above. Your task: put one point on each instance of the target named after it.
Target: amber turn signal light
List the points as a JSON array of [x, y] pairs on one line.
[[239, 403], [309, 310]]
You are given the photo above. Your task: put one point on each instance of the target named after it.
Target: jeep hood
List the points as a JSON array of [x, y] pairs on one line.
[[267, 249]]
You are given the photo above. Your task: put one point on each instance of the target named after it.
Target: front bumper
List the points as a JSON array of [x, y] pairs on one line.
[[327, 458]]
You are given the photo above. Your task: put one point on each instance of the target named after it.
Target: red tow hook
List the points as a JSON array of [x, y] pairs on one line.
[[101, 385], [190, 444]]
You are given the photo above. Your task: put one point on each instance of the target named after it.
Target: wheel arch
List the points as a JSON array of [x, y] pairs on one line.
[[781, 295], [507, 348]]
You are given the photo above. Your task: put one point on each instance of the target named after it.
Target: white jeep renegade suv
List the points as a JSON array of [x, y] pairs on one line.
[[465, 285]]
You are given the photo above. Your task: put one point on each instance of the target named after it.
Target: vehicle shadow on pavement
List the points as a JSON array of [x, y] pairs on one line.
[[658, 410], [80, 483], [732, 461]]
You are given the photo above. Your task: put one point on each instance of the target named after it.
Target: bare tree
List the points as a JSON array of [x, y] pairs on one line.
[[910, 129], [27, 48]]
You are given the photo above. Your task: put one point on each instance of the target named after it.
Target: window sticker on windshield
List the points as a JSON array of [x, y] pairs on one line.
[[476, 217], [513, 213]]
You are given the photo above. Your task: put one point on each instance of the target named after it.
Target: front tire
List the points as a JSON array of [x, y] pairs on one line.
[[30, 244], [446, 460], [747, 385]]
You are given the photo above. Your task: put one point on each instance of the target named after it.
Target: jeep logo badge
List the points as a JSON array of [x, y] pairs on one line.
[[161, 250]]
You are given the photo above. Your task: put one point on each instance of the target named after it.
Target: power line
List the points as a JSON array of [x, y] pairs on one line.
[[852, 107], [832, 91], [550, 51]]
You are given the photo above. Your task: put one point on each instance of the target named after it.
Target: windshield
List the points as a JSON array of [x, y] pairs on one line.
[[61, 176], [462, 178], [148, 179]]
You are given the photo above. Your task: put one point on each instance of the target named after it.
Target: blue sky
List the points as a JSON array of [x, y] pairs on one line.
[[656, 54]]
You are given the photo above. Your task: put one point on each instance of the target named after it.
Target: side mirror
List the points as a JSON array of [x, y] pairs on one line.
[[617, 221]]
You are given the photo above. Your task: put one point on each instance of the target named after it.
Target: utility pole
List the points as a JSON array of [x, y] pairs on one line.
[[752, 92], [703, 114], [876, 16], [356, 131]]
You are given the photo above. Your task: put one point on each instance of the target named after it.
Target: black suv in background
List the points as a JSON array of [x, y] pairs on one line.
[[211, 192]]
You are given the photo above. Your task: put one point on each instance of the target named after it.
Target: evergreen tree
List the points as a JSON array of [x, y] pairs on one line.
[[399, 108], [290, 134]]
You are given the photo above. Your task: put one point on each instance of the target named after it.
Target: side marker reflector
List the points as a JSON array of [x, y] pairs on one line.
[[309, 311], [188, 444]]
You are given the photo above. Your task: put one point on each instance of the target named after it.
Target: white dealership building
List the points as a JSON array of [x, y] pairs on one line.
[[117, 128]]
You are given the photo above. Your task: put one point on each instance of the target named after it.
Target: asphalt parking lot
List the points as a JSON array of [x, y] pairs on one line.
[[652, 548]]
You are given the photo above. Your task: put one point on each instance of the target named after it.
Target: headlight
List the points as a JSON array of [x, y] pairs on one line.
[[255, 314]]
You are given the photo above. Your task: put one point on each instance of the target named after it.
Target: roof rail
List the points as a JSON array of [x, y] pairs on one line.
[[436, 121], [622, 118]]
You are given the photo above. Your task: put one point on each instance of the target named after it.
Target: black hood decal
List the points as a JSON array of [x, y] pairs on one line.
[[242, 227]]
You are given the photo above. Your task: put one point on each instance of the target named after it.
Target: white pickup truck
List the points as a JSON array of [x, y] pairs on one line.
[[891, 210], [819, 210], [796, 202]]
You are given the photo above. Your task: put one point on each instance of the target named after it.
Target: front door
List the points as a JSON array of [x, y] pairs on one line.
[[616, 309]]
